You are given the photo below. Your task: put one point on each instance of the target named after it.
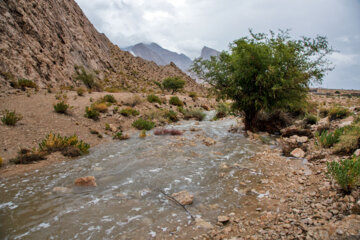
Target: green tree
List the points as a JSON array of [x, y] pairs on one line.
[[266, 72], [173, 83]]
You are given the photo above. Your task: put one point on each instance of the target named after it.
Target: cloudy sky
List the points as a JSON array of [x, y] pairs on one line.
[[185, 26]]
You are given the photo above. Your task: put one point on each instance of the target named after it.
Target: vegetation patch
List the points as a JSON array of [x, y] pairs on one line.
[[23, 83], [192, 113], [109, 98], [120, 136], [222, 110], [55, 142], [143, 124], [338, 113], [92, 113], [349, 140], [26, 156], [173, 83], [171, 116], [61, 107], [310, 119], [127, 112], [87, 78], [193, 95], [174, 100], [10, 118], [133, 101], [100, 107], [154, 99], [346, 172], [80, 91]]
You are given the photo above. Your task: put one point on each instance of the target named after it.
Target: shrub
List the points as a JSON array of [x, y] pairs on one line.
[[338, 113], [153, 98], [171, 115], [222, 110], [80, 91], [328, 139], [324, 112], [91, 113], [120, 136], [174, 100], [193, 95], [129, 112], [133, 101], [310, 119], [109, 98], [193, 113], [25, 83], [346, 173], [349, 140], [55, 142], [1, 161], [86, 78], [61, 107], [143, 124], [173, 83], [100, 107], [163, 131], [27, 156], [337, 92], [142, 134], [10, 117]]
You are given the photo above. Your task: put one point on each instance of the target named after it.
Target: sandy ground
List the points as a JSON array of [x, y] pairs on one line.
[[39, 119]]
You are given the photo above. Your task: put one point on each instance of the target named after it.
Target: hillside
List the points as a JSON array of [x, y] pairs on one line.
[[44, 41]]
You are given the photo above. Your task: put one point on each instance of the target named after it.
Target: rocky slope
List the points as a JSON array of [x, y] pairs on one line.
[[44, 41]]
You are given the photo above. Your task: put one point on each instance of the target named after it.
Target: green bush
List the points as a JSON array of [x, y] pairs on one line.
[[61, 107], [193, 95], [349, 140], [153, 98], [109, 98], [174, 100], [338, 113], [87, 78], [55, 142], [310, 119], [346, 173], [10, 117], [328, 139], [91, 113], [129, 112], [193, 113], [26, 156], [222, 110], [120, 136], [25, 83], [173, 83], [171, 115], [143, 124]]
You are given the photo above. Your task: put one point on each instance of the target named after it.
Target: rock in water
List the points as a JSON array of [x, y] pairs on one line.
[[209, 141], [88, 181], [62, 190], [183, 197], [298, 153]]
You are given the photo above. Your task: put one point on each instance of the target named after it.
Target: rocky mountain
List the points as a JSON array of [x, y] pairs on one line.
[[207, 52], [44, 40], [161, 56]]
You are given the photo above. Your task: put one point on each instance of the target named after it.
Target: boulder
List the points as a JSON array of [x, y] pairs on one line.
[[357, 152], [205, 107], [183, 197], [88, 181], [298, 153]]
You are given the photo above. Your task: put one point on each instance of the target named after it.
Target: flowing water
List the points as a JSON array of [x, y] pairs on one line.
[[127, 202]]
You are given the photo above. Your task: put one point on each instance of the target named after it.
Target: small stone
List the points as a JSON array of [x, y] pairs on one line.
[[223, 219], [88, 181], [209, 141], [183, 197], [357, 152], [298, 153], [201, 223]]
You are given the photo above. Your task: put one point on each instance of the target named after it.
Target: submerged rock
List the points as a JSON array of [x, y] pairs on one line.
[[88, 181], [209, 141], [183, 197], [62, 190]]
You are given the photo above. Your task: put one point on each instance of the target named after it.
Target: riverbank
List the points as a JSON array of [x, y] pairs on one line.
[[40, 119]]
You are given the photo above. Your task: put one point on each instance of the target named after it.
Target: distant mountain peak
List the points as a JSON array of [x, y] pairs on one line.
[[207, 52]]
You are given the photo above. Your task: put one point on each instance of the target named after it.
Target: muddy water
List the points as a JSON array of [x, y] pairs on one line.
[[127, 203]]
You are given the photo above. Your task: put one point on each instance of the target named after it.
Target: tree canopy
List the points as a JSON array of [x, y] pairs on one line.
[[264, 72], [173, 83]]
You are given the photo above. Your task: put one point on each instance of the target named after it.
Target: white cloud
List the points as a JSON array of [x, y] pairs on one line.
[[186, 26]]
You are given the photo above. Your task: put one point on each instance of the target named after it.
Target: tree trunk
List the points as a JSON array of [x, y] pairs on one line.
[[250, 121]]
